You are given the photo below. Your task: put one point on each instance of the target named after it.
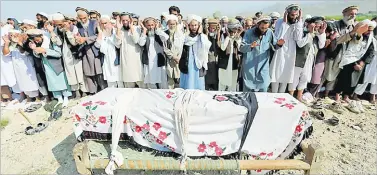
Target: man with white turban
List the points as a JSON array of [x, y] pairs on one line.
[[65, 37], [290, 29], [153, 57], [106, 41], [42, 18], [23, 64], [128, 37], [212, 77], [274, 17], [370, 71], [173, 50], [91, 59], [229, 60], [194, 59]]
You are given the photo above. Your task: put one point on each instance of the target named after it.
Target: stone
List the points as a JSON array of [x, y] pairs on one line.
[[356, 127], [344, 161], [352, 151], [343, 145]]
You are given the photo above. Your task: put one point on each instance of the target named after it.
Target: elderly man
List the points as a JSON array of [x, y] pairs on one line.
[[194, 59], [290, 29], [89, 54], [370, 71], [153, 57], [212, 76], [28, 24], [248, 24], [52, 64], [72, 65], [106, 41], [130, 52], [255, 46], [173, 51], [229, 61], [306, 52], [42, 18]]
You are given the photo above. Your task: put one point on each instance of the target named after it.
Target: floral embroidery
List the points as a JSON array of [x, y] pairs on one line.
[[270, 154], [100, 102], [159, 141], [138, 129], [89, 103], [282, 102], [259, 171], [170, 95], [202, 147], [219, 151], [102, 119], [298, 128], [162, 135], [289, 106], [211, 149], [262, 154], [125, 120], [146, 127], [278, 102], [281, 99], [220, 98], [77, 117], [213, 144], [156, 126]]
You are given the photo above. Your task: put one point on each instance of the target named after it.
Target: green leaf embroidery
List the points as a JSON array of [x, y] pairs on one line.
[[147, 122], [95, 107], [77, 124], [203, 143], [168, 134], [87, 107], [224, 148]]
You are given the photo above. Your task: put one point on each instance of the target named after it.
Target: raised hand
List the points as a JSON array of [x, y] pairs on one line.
[[119, 25], [311, 27], [323, 27], [50, 28], [32, 46], [280, 42], [254, 44], [362, 29], [6, 39]]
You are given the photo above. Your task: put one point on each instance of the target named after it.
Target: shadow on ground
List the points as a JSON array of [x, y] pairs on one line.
[[63, 154]]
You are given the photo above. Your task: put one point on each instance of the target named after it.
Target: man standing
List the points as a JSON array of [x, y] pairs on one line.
[[274, 17], [41, 19], [290, 29], [130, 52], [229, 61], [193, 63], [153, 58], [255, 46], [173, 51], [89, 53], [72, 65], [94, 15], [212, 76]]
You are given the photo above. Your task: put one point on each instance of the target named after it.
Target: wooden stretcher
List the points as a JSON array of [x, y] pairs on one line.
[[90, 155]]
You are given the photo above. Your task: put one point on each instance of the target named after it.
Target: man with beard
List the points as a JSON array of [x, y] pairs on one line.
[[89, 54], [153, 58], [41, 19], [22, 63], [107, 44], [116, 15], [72, 65], [306, 51], [193, 63], [274, 17], [94, 15], [130, 52], [52, 64], [370, 71], [28, 24], [248, 24], [255, 46], [173, 51], [229, 59], [135, 19], [290, 29], [212, 78]]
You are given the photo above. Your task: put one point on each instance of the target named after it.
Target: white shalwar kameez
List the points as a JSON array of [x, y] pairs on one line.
[[283, 62], [228, 77], [153, 73]]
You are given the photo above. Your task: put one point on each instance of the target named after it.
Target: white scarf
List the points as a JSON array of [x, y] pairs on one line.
[[201, 48], [355, 51]]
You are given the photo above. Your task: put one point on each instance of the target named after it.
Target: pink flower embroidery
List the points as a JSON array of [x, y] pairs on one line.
[[77, 117], [298, 128], [262, 154], [138, 129], [100, 102], [281, 99], [278, 102], [259, 171], [253, 156], [87, 103], [162, 135], [202, 147], [125, 120], [289, 106], [212, 144], [159, 141], [102, 119], [172, 149], [146, 127], [218, 151], [270, 154], [221, 98], [169, 94], [156, 126]]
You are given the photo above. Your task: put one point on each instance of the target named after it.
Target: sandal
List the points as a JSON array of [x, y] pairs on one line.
[[33, 107], [318, 114], [353, 107], [333, 121], [318, 105], [49, 107], [56, 113], [41, 126], [336, 107], [29, 130]]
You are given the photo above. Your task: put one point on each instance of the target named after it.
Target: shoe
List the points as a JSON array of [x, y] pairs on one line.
[[353, 107], [336, 107], [360, 106]]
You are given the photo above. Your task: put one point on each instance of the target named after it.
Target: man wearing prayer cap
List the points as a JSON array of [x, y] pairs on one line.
[[173, 50], [28, 24], [64, 35], [163, 20], [347, 32], [370, 73], [82, 9], [211, 78], [115, 15], [94, 15], [194, 59], [130, 52], [92, 60], [258, 14], [314, 38], [52, 64], [229, 61], [153, 57], [135, 19], [42, 18], [289, 29], [255, 46], [274, 17]]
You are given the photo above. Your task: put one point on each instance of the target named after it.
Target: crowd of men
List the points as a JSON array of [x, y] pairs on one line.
[[60, 56]]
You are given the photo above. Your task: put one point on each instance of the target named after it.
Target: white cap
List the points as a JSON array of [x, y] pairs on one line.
[[58, 17], [29, 22], [106, 17], [43, 14], [171, 17], [164, 14], [194, 17], [274, 15]]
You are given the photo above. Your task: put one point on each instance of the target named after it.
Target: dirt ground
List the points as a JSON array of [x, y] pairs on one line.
[[348, 149]]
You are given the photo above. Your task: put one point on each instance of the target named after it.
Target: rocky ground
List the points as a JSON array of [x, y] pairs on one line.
[[350, 147]]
